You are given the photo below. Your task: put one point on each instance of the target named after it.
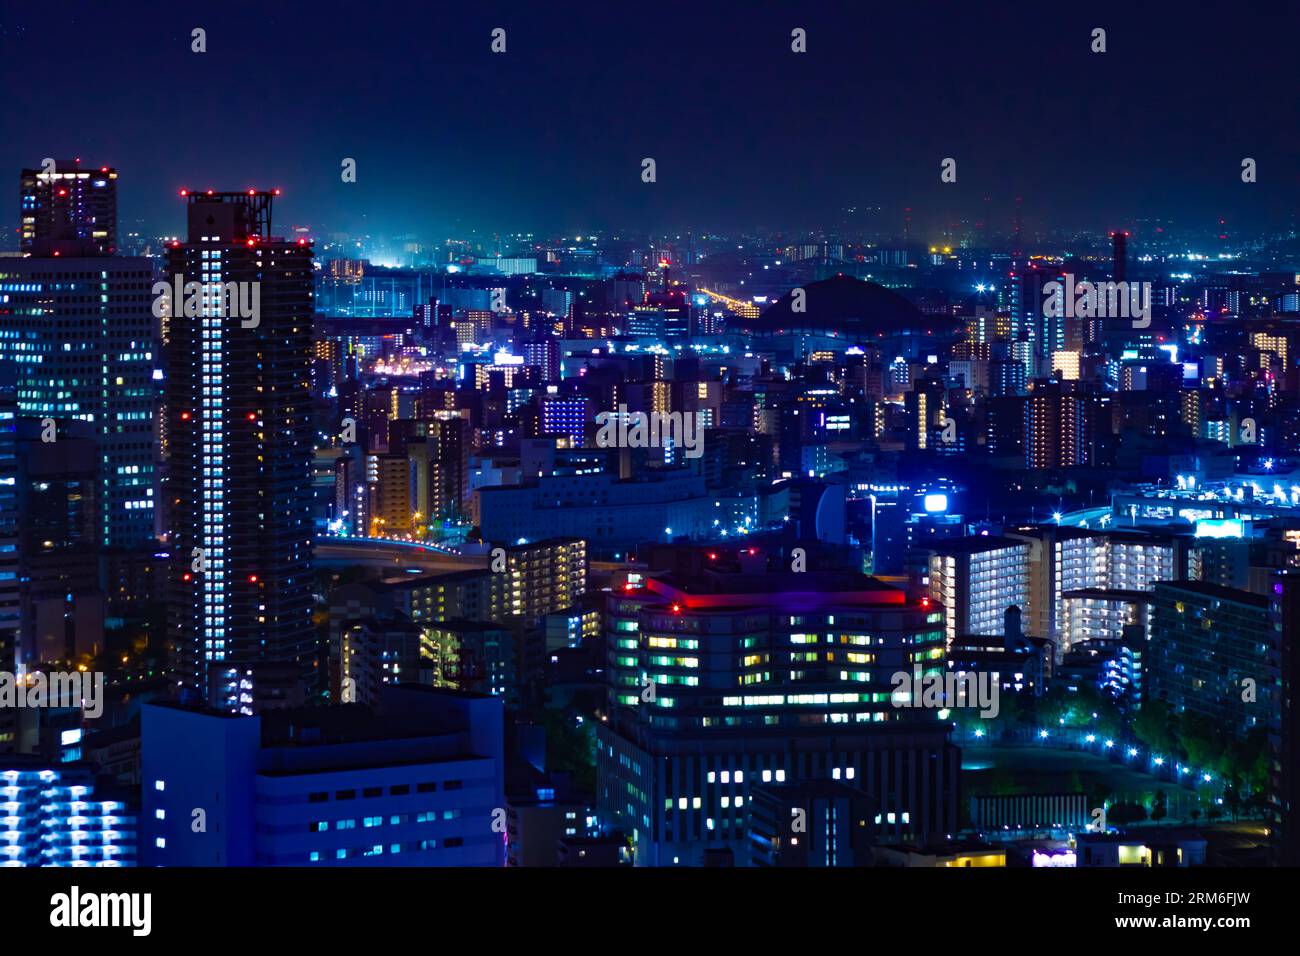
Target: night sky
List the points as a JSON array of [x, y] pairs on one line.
[[449, 137]]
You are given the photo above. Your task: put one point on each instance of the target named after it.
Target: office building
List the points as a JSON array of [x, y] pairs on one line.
[[57, 500], [816, 823], [566, 416], [727, 681], [414, 782], [10, 598], [80, 331]]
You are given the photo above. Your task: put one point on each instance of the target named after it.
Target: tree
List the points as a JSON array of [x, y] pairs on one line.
[[1160, 806], [1232, 799], [1202, 740], [1125, 813], [1154, 726]]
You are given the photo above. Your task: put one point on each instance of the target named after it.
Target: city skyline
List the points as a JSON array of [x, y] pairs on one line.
[[576, 437]]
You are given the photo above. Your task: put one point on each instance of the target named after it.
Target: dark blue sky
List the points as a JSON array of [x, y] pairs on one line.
[[550, 135]]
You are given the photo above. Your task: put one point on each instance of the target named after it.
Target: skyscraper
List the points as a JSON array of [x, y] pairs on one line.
[[76, 322], [9, 593], [58, 564], [69, 211], [1119, 256], [240, 454]]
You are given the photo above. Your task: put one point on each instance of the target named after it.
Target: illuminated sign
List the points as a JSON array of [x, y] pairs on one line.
[[1220, 528]]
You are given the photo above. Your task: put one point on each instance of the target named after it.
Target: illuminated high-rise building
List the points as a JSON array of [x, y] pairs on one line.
[[1055, 427], [9, 592], [68, 211], [976, 579], [80, 331], [725, 682], [240, 456]]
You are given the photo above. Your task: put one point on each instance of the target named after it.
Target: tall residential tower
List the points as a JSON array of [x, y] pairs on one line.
[[239, 455]]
